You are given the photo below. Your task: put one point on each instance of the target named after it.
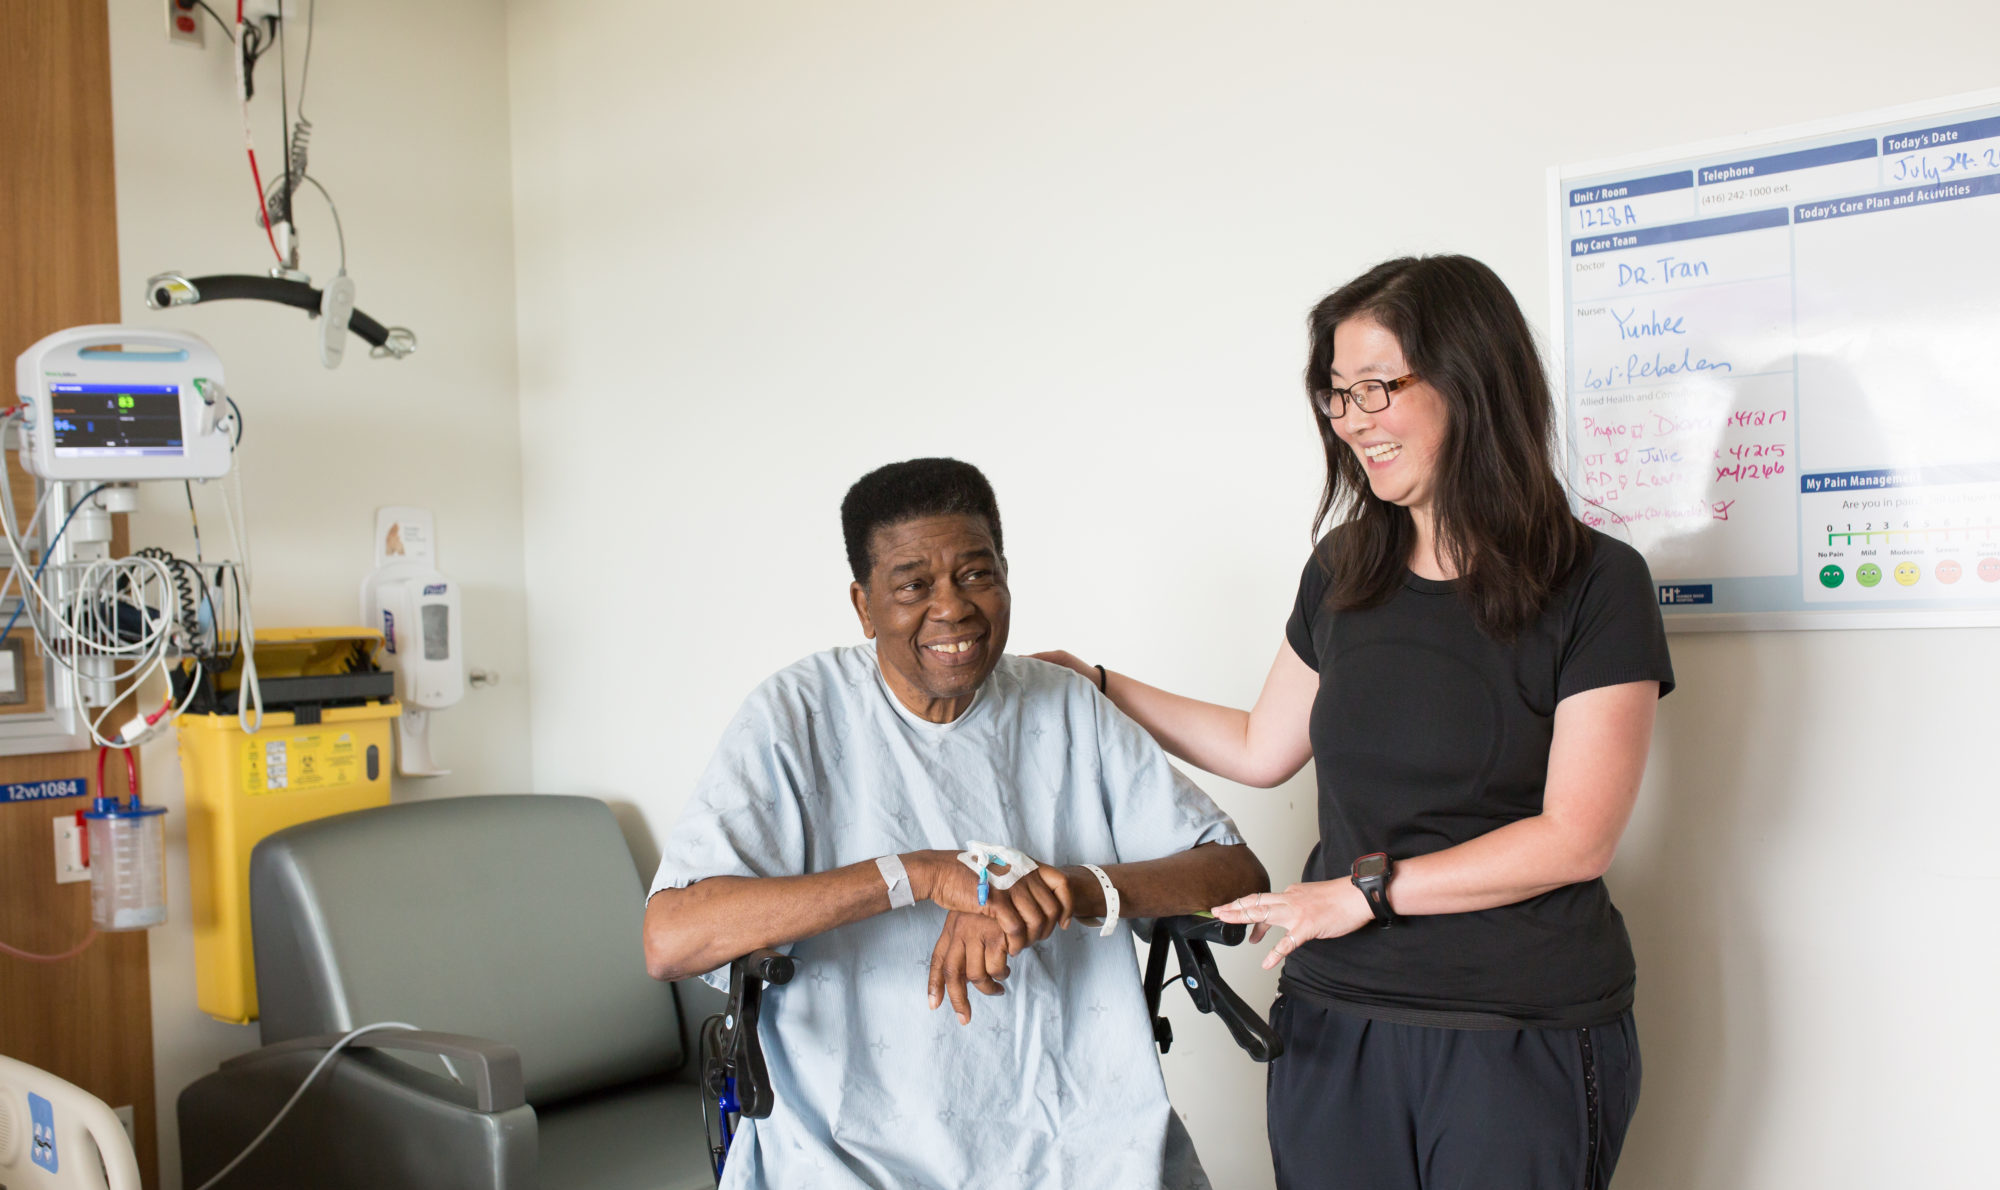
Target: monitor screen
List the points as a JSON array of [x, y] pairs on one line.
[[116, 419]]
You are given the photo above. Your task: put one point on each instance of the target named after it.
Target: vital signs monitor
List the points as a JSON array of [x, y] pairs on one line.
[[119, 404]]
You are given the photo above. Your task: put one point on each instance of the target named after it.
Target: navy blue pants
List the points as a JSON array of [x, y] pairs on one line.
[[1369, 1105]]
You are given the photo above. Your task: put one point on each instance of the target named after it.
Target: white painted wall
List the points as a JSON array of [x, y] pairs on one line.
[[762, 249], [409, 103]]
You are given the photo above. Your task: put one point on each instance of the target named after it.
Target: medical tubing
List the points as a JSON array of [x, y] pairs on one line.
[[305, 74], [19, 562], [71, 953], [225, 287], [338, 231], [7, 509], [250, 145], [131, 775], [312, 1074], [250, 693], [88, 620], [90, 596], [284, 125]]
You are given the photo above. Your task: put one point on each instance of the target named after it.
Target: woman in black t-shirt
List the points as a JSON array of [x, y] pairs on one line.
[[1474, 673]]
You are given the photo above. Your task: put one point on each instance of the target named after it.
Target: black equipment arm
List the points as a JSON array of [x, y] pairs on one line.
[[173, 290], [1189, 938]]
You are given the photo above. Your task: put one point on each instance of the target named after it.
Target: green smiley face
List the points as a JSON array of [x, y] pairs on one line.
[[1831, 576], [1868, 575]]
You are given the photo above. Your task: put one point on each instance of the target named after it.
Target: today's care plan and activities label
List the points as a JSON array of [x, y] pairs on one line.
[[1783, 370]]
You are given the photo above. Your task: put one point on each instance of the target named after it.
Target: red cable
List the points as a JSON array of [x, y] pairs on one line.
[[263, 212], [71, 953], [131, 769]]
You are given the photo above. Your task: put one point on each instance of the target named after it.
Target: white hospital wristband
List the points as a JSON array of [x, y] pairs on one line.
[[1110, 902], [898, 880]]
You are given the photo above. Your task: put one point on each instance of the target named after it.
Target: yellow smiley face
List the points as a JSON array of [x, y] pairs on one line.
[[1907, 573]]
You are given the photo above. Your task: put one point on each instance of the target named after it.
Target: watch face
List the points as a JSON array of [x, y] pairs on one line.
[[1371, 865]]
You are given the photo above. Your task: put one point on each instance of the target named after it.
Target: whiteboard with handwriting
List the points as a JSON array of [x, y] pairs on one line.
[[1782, 368]]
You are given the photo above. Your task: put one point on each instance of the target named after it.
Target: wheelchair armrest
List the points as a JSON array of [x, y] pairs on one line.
[[731, 1050], [369, 1120], [495, 1069], [1189, 936]]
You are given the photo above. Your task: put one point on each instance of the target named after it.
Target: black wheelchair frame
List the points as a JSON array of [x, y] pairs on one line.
[[736, 1083]]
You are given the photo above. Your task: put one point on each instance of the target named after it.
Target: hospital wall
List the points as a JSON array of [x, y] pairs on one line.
[[410, 113], [760, 249]]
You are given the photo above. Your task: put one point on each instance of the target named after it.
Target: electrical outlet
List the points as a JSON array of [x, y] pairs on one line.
[[184, 23], [258, 10], [70, 867]]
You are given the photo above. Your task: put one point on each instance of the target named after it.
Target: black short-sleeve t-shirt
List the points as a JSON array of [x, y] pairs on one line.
[[1427, 733]]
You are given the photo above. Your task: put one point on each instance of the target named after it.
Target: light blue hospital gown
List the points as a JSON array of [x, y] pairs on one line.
[[1053, 1085]]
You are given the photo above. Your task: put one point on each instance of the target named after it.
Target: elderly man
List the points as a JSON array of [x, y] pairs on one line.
[[830, 820]]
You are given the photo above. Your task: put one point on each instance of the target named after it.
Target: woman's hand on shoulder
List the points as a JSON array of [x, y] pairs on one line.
[[1316, 909], [1067, 660]]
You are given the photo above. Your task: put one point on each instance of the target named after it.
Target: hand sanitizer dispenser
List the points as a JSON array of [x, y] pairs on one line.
[[417, 610]]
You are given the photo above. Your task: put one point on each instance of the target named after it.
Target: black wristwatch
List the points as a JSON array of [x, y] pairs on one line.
[[1371, 875]]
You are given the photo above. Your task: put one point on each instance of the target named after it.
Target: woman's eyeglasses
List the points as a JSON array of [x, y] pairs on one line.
[[1370, 396]]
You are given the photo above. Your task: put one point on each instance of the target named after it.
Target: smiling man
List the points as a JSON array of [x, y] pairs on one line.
[[829, 821]]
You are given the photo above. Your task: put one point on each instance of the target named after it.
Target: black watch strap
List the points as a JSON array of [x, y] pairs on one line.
[[1371, 875]]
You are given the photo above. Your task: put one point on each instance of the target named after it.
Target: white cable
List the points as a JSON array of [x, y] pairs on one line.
[[18, 549], [173, 713], [310, 1076], [79, 621], [249, 695], [100, 584], [7, 509]]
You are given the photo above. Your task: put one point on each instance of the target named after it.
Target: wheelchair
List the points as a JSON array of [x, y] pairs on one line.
[[736, 1085]]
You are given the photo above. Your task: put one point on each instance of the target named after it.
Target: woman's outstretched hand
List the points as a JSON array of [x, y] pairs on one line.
[[1067, 660], [1318, 909]]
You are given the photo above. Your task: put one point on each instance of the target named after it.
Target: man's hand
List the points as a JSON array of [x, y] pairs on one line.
[[1038, 904], [970, 949]]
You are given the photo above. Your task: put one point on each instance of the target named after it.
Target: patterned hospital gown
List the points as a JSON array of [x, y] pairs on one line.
[[1055, 1084]]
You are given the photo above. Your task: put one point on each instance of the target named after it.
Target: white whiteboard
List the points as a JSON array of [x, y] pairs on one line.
[[1781, 359]]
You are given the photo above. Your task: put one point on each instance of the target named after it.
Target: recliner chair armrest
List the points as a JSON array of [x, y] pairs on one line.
[[495, 1068], [369, 1119]]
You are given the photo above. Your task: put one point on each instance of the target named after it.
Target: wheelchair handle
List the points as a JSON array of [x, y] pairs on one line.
[[1207, 929], [770, 966], [1190, 937]]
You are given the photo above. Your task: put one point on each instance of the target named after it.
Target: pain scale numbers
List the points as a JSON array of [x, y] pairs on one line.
[[1908, 531]]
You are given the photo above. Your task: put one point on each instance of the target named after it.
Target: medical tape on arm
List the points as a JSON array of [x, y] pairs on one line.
[[980, 856], [898, 879]]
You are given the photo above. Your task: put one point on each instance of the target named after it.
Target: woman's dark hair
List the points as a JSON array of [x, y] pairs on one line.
[[907, 490], [1502, 520]]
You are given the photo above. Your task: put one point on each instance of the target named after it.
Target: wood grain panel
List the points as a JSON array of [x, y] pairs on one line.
[[88, 1019]]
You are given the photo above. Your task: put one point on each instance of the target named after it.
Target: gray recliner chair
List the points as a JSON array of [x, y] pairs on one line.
[[508, 930]]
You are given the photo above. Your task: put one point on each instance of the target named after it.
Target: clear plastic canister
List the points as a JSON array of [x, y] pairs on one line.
[[128, 870]]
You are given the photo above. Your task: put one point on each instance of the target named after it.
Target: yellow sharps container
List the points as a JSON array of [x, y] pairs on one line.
[[323, 748]]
